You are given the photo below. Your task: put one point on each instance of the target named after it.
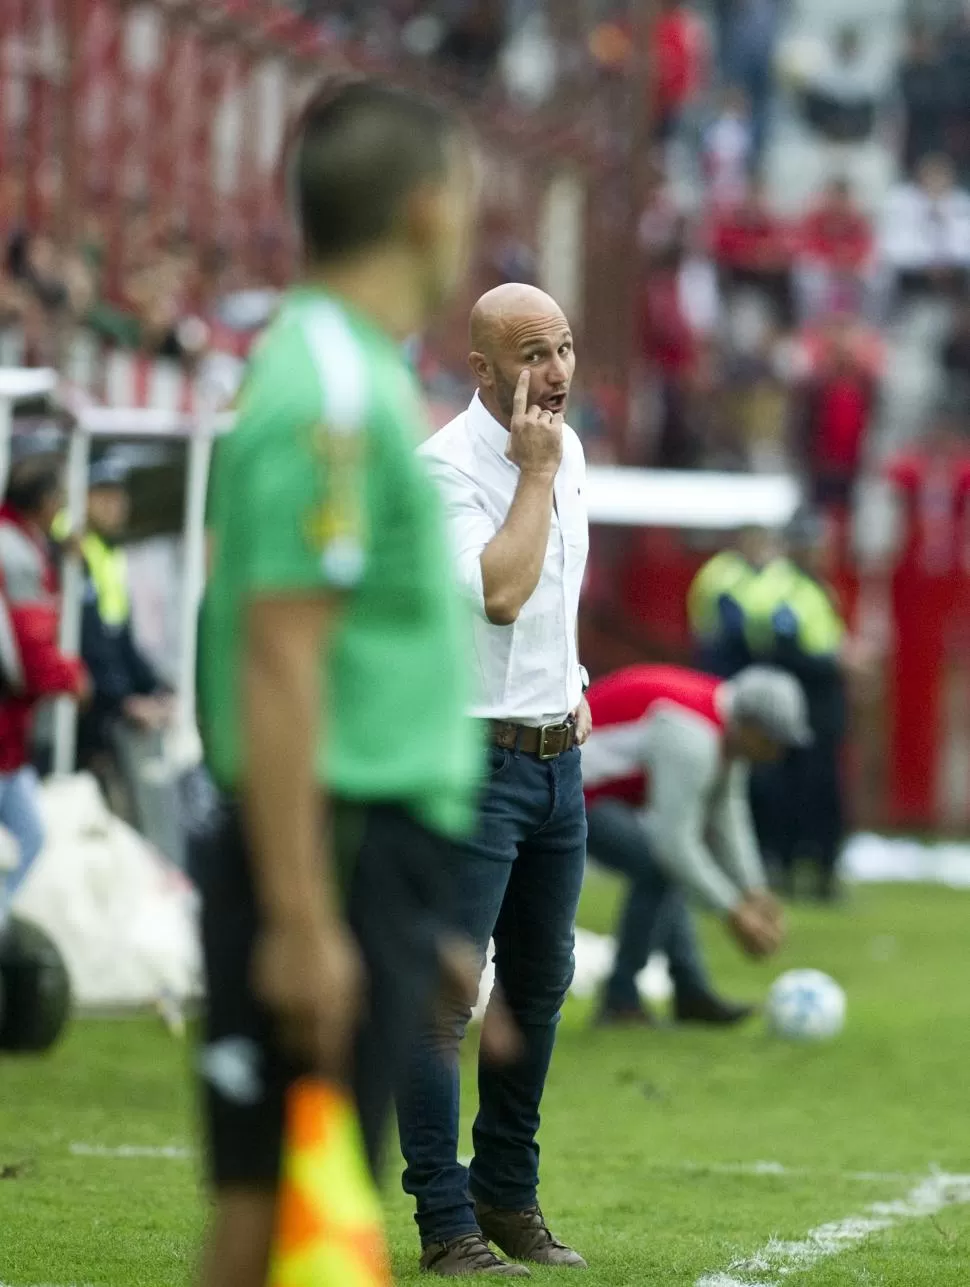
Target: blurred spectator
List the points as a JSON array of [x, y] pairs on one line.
[[836, 406], [924, 237], [680, 310], [840, 96], [661, 217], [669, 345], [794, 621], [610, 45], [131, 707], [757, 394], [835, 260], [748, 41], [719, 435], [33, 666], [472, 43], [729, 149], [752, 247], [956, 71], [955, 358], [931, 478], [925, 94], [42, 287], [680, 59], [32, 261]]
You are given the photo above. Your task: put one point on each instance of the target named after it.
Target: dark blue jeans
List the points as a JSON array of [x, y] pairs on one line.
[[656, 916], [518, 882]]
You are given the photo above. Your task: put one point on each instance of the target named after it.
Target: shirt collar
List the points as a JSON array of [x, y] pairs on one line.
[[484, 425]]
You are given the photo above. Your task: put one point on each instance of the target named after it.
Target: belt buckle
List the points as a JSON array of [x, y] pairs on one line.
[[542, 753]]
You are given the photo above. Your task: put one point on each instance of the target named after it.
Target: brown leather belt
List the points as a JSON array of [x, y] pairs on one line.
[[546, 742]]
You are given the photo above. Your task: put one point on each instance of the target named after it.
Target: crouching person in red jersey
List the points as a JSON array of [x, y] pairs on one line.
[[665, 776], [32, 667]]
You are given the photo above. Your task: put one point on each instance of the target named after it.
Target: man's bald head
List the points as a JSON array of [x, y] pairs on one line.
[[516, 326], [505, 308]]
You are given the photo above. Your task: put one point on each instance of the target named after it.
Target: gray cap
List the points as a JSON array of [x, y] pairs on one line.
[[775, 702]]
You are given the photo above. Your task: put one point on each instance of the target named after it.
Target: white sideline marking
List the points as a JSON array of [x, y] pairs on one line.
[[779, 1168], [175, 1152], [783, 1258], [765, 1169]]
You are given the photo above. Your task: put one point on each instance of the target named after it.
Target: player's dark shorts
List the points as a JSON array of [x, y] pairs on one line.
[[395, 899]]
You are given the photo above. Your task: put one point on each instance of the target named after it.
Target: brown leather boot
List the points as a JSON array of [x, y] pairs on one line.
[[524, 1235], [464, 1256]]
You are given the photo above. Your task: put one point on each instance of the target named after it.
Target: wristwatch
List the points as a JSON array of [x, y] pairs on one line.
[[584, 676]]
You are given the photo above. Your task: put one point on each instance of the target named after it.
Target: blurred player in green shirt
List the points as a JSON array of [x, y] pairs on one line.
[[332, 662]]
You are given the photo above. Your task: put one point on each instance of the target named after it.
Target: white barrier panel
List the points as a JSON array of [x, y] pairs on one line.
[[670, 498], [124, 918]]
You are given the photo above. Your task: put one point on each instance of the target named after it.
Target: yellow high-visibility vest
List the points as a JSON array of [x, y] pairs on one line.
[[783, 590], [108, 569], [726, 574]]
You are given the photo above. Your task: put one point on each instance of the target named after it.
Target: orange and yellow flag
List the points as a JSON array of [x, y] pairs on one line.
[[329, 1226]]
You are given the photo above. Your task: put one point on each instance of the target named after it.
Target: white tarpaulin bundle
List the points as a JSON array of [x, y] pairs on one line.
[[124, 918]]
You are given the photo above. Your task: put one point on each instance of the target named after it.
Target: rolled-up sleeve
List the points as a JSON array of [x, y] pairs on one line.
[[469, 526]]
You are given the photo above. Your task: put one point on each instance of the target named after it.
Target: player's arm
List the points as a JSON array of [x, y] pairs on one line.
[[302, 498], [306, 967]]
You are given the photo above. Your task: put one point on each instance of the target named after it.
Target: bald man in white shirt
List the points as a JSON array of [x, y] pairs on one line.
[[512, 474]]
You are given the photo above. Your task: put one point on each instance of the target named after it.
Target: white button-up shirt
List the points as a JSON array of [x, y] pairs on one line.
[[527, 672]]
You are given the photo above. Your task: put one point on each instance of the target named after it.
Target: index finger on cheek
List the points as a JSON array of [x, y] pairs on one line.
[[521, 399]]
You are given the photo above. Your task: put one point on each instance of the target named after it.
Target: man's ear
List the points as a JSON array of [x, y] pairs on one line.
[[425, 215], [481, 369]]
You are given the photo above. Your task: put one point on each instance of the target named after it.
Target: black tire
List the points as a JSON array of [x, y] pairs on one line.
[[36, 988]]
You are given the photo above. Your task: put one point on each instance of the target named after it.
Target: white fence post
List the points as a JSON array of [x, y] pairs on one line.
[[193, 571], [65, 715]]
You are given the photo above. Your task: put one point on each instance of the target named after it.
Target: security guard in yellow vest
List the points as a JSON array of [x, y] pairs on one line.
[[717, 602], [793, 622], [127, 690]]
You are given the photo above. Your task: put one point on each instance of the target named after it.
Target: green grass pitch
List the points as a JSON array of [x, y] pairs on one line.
[[646, 1135]]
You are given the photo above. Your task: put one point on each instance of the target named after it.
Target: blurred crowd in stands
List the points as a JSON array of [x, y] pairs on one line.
[[759, 331]]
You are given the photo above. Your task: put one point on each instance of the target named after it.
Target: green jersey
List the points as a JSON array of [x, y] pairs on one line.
[[319, 487]]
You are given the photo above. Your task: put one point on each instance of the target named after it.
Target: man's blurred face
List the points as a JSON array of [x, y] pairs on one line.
[[108, 511], [936, 176], [50, 507], [840, 199], [758, 546]]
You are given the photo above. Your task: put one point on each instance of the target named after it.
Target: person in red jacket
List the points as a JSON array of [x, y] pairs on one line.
[[835, 259], [34, 668], [752, 246], [680, 57], [835, 407], [665, 774]]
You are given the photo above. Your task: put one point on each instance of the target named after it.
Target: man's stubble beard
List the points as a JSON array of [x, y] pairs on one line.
[[504, 395]]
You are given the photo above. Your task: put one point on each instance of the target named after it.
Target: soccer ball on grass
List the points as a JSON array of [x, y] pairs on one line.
[[806, 1005]]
